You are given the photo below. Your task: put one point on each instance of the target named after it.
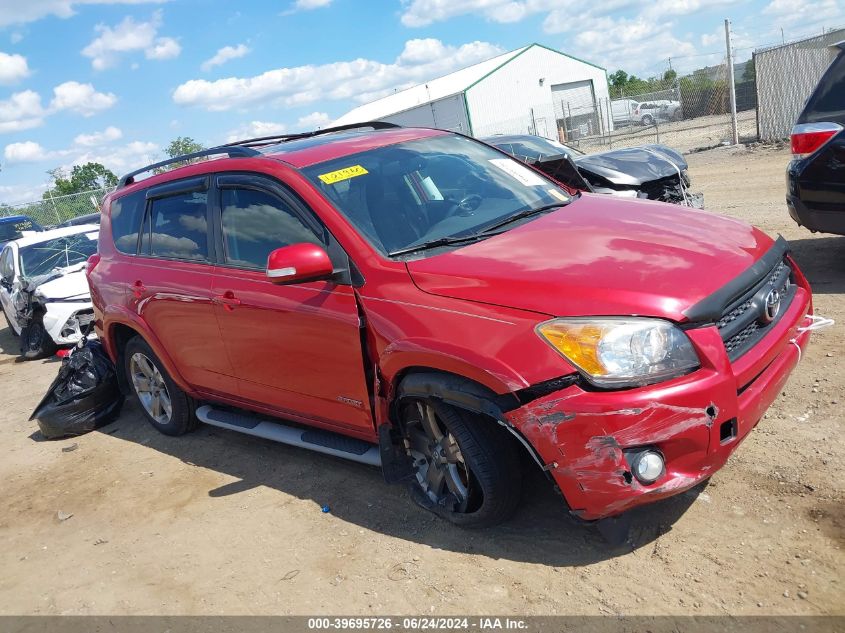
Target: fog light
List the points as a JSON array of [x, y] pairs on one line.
[[648, 466]]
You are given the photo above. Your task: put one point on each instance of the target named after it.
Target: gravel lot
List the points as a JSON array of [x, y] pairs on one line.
[[216, 522]]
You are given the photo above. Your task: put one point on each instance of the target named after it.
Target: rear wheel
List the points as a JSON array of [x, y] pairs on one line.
[[648, 120], [167, 407], [467, 470], [35, 341]]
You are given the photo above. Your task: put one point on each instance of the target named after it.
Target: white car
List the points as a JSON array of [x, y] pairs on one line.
[[43, 289]]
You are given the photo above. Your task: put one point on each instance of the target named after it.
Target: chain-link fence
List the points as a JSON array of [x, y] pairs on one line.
[[686, 112], [54, 210], [786, 76]]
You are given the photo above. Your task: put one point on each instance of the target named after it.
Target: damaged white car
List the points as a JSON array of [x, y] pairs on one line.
[[43, 290]]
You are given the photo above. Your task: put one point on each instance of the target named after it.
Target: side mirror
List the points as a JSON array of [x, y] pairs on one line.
[[299, 262]]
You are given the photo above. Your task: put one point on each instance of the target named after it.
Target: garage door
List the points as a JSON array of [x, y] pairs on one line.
[[574, 99]]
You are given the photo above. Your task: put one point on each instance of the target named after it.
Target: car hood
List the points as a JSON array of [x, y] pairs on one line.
[[70, 284], [633, 165], [599, 256]]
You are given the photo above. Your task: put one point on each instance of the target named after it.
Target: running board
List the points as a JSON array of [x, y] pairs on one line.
[[313, 439]]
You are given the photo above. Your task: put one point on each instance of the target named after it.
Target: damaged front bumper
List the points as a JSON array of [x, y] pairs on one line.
[[695, 421]]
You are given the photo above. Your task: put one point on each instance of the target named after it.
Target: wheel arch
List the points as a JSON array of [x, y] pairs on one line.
[[119, 331]]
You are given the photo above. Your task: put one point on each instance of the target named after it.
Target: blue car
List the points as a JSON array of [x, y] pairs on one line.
[[12, 227]]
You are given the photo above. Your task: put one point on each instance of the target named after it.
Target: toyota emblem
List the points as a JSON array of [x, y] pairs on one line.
[[772, 307]]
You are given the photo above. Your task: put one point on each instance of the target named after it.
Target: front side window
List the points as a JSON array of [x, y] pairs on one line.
[[255, 223], [416, 192], [61, 252], [178, 227]]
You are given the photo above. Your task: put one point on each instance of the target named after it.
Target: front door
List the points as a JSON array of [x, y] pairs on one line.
[[295, 348]]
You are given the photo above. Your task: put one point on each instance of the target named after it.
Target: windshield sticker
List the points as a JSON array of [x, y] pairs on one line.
[[557, 194], [342, 174], [520, 172]]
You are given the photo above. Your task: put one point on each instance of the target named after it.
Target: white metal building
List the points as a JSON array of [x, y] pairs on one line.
[[533, 89]]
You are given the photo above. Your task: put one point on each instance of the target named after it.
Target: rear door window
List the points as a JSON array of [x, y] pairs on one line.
[[126, 215], [177, 227], [827, 103], [255, 223]]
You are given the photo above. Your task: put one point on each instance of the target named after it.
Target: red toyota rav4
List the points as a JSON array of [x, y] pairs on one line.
[[416, 299]]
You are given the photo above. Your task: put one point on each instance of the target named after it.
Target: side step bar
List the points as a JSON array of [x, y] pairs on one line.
[[313, 439]]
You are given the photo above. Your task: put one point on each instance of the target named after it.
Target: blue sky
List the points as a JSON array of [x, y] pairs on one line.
[[114, 81]]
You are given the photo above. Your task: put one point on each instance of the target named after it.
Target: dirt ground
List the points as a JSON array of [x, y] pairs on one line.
[[216, 522]]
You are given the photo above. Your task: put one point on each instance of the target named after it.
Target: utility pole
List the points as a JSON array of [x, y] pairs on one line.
[[731, 85]]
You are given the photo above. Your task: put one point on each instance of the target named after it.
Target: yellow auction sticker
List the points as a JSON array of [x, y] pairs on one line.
[[343, 174]]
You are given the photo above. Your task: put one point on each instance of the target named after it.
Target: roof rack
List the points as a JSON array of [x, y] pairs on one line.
[[281, 138], [243, 149], [232, 152]]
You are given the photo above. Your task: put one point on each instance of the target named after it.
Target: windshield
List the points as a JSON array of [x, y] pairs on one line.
[[429, 189], [40, 259], [11, 229], [533, 147]]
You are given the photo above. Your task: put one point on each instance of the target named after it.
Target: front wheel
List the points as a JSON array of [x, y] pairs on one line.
[[466, 468], [36, 341], [167, 407], [648, 120]]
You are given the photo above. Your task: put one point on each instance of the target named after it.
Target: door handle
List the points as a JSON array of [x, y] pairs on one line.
[[228, 300], [138, 289]]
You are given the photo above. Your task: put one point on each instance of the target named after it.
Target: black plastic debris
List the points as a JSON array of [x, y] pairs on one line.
[[83, 397]]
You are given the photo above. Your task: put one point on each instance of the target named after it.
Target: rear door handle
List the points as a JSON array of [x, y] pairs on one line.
[[228, 300], [139, 289]]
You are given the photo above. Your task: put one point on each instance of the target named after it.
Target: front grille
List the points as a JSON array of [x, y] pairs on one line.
[[743, 322]]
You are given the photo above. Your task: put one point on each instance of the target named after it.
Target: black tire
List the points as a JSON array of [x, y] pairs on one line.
[[35, 341], [491, 467], [648, 120], [8, 321], [181, 418]]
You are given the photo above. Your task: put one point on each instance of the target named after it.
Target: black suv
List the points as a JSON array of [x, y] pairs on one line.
[[815, 178]]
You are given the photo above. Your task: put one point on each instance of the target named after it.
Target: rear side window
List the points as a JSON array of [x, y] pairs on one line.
[[828, 101], [177, 227], [126, 214], [255, 223]]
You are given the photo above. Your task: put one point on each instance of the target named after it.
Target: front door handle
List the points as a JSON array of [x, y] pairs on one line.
[[228, 300]]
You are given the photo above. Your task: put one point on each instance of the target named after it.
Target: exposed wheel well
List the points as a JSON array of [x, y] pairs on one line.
[[461, 392], [120, 336]]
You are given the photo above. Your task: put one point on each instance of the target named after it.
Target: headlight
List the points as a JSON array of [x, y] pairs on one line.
[[622, 352]]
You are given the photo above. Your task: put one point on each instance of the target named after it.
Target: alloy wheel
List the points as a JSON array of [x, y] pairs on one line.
[[150, 388], [440, 468]]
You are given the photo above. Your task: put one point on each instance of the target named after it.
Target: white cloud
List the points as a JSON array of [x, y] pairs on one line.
[[120, 159], [129, 36], [16, 37], [359, 79], [307, 5], [13, 68], [21, 111], [25, 152], [804, 16], [255, 129], [95, 139], [424, 12], [19, 194], [16, 12], [225, 54], [164, 48], [81, 98], [313, 121]]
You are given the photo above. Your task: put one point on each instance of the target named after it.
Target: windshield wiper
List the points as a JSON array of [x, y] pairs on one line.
[[442, 241], [525, 213]]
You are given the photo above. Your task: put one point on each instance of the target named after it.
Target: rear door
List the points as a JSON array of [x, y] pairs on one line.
[[170, 283], [295, 348]]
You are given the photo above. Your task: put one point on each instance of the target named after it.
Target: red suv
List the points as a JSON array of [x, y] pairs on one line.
[[419, 300]]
